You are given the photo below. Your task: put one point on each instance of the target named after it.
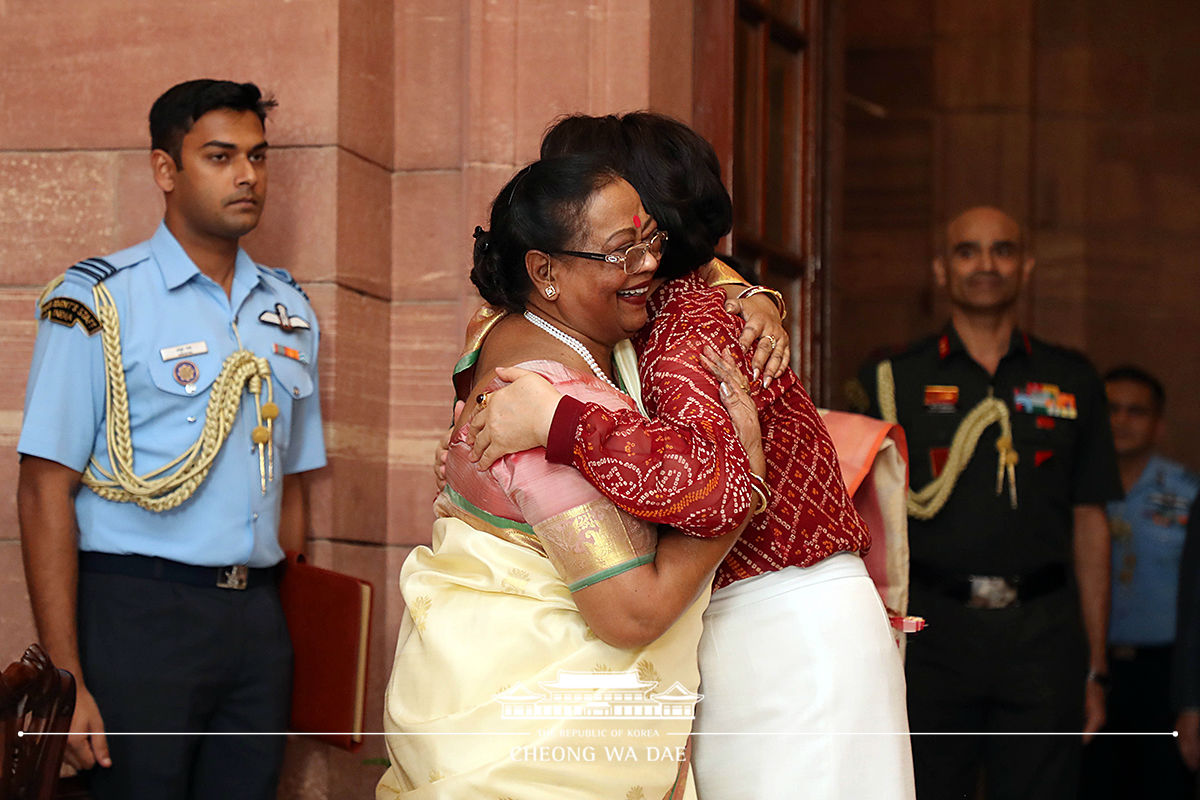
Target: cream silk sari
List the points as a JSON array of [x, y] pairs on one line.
[[499, 689]]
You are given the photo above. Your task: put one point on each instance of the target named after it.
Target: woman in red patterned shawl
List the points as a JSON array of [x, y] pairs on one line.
[[803, 685], [548, 648]]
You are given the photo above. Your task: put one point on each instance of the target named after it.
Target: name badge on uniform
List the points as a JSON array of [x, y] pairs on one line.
[[183, 350], [1045, 398], [941, 399]]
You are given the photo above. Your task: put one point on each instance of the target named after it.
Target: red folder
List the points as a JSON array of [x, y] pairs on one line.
[[329, 617]]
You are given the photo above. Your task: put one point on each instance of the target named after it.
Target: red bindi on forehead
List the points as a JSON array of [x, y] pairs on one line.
[[637, 221]]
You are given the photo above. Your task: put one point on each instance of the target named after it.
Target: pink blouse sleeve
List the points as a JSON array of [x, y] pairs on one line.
[[585, 536]]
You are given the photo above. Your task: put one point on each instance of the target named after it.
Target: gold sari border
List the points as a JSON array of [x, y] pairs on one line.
[[467, 360], [491, 519], [593, 541], [610, 572], [451, 504], [478, 328], [717, 273]]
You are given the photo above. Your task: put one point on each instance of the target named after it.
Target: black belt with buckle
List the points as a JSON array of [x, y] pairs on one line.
[[992, 591], [235, 576]]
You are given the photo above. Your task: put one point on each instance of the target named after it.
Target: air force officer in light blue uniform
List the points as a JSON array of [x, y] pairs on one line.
[[171, 406]]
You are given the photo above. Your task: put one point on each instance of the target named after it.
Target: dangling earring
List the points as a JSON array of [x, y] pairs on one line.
[[551, 291]]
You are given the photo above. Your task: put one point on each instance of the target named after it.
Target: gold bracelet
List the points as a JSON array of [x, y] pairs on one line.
[[775, 295], [759, 487]]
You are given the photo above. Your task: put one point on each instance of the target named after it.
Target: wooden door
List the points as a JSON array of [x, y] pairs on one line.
[[762, 74]]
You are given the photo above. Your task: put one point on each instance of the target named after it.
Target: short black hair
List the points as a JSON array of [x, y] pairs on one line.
[[177, 109], [674, 170], [1128, 372], [540, 208]]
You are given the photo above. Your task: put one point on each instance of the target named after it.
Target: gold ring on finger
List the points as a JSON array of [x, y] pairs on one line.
[[771, 339], [481, 399]]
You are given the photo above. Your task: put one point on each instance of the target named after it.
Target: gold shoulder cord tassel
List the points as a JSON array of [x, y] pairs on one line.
[[926, 502], [1007, 464], [261, 435], [157, 491]]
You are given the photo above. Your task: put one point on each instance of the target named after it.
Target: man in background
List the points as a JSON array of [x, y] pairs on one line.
[[1185, 671], [1011, 463], [1147, 541]]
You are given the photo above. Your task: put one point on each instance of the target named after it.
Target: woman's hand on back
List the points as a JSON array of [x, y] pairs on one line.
[[763, 325], [512, 418], [735, 396]]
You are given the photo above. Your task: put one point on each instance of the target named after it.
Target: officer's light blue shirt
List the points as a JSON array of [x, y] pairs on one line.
[[1148, 529], [177, 328]]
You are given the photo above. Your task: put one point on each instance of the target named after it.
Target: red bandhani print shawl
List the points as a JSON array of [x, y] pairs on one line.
[[685, 467]]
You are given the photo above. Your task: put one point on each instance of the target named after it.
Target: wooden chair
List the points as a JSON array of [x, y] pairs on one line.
[[35, 699]]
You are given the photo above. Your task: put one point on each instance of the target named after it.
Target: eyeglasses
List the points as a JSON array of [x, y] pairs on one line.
[[632, 258]]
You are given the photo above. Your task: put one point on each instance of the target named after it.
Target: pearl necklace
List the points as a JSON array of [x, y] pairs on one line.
[[573, 343]]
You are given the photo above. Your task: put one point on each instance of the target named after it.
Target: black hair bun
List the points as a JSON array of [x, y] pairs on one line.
[[488, 272], [482, 238]]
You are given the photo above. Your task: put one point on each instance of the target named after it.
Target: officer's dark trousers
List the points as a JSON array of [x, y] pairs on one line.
[[1005, 672], [1117, 767], [171, 658]]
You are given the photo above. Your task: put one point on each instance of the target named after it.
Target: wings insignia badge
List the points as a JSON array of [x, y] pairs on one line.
[[280, 317]]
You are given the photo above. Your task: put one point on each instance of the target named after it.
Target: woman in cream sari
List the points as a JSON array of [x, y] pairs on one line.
[[803, 684], [548, 647]]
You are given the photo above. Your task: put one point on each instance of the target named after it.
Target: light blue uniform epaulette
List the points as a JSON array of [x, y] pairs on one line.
[[93, 271], [285, 276], [78, 281], [1187, 480]]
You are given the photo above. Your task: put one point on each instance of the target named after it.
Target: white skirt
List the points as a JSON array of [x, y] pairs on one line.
[[803, 690]]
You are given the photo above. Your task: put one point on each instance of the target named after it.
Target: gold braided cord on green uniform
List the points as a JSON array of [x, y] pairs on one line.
[[926, 502], [156, 491]]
